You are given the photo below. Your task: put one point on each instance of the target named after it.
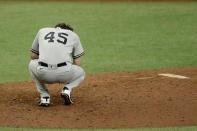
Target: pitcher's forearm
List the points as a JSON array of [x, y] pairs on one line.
[[34, 56], [77, 61]]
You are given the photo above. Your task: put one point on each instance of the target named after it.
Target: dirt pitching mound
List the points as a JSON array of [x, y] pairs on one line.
[[112, 100]]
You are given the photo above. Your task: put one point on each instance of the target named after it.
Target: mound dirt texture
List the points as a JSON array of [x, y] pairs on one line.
[[111, 100]]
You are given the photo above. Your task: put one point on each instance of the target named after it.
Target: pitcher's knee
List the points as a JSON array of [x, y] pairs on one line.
[[82, 75], [32, 67], [32, 64]]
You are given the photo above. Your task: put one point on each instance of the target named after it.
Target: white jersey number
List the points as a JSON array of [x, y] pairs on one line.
[[62, 37]]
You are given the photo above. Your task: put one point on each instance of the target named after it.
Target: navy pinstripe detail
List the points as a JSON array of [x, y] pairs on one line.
[[77, 56], [35, 51]]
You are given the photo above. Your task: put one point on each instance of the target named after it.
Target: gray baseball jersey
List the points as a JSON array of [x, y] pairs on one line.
[[56, 45]]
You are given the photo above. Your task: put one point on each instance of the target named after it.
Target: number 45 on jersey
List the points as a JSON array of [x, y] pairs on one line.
[[62, 37]]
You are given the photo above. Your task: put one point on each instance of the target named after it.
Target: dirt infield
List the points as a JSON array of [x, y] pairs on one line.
[[113, 100]]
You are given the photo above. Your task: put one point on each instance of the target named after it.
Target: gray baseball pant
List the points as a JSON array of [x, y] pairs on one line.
[[71, 75]]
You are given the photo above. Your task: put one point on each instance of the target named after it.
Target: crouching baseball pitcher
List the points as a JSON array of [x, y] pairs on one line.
[[51, 62]]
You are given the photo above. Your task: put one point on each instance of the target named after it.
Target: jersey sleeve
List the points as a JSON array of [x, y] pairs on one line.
[[78, 50], [35, 45]]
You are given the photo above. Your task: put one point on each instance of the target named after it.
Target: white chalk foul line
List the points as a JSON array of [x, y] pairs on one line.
[[174, 76]]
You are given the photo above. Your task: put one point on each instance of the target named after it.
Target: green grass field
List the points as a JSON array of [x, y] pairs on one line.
[[117, 36], [102, 129]]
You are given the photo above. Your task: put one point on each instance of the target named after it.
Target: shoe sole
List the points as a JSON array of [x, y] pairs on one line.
[[66, 98], [43, 104]]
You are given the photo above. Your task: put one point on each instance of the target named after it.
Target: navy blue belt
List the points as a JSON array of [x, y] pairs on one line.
[[58, 65]]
